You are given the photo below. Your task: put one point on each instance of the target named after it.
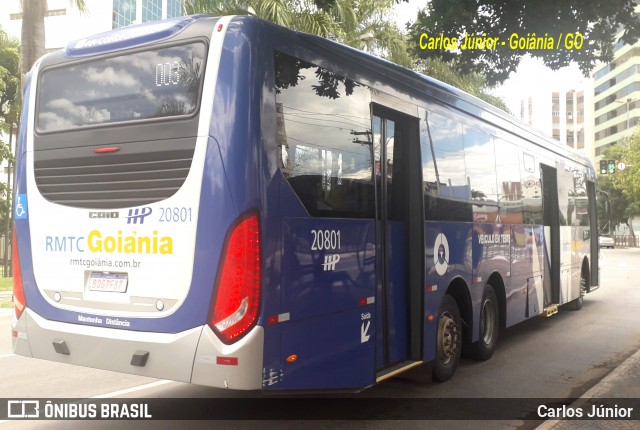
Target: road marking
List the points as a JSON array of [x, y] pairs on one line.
[[7, 355], [131, 390]]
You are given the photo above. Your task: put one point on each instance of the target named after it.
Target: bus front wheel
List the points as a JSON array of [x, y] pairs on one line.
[[448, 341]]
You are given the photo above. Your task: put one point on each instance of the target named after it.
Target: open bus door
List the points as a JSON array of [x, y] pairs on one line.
[[567, 237], [551, 221]]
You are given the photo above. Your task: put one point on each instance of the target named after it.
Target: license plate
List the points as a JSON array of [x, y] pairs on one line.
[[107, 282]]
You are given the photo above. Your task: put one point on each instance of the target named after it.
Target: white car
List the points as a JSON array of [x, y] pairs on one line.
[[606, 241]]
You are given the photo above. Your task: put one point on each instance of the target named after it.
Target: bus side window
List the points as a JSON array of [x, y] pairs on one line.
[[480, 165], [324, 131], [581, 202], [512, 202], [447, 193], [531, 190]]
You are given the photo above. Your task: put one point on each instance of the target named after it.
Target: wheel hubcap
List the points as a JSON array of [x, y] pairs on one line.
[[448, 338], [488, 321]]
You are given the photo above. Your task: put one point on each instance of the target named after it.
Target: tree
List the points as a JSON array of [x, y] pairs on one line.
[[623, 186], [10, 106], [363, 24], [598, 23], [302, 15], [471, 82], [9, 78], [33, 36]]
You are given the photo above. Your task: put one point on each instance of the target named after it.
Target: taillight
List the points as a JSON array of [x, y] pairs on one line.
[[19, 303], [236, 298]]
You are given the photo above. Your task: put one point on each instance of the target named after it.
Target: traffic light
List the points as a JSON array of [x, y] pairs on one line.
[[603, 167], [611, 166]]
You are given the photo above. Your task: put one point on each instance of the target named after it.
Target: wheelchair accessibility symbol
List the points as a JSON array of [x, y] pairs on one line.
[[21, 207]]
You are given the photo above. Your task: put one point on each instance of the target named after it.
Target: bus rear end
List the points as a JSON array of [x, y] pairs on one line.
[[130, 253]]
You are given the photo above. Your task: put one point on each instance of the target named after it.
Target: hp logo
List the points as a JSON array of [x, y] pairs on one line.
[[137, 216]]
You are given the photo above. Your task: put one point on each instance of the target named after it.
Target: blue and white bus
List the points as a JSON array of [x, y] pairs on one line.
[[226, 202]]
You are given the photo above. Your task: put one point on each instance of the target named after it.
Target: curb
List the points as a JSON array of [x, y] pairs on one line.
[[600, 389]]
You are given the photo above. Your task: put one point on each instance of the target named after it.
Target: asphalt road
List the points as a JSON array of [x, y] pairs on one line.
[[557, 357]]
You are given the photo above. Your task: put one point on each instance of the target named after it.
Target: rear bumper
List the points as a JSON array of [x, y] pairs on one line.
[[194, 356]]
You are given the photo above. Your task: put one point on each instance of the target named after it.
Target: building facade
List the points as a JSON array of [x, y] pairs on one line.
[[127, 12], [64, 23], [566, 115], [617, 97]]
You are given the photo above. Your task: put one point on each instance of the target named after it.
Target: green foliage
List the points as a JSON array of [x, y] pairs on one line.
[[623, 186], [10, 107], [6, 284], [599, 22], [10, 89], [363, 24], [619, 205], [473, 83]]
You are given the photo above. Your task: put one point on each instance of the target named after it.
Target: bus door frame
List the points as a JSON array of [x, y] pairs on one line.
[[594, 245], [551, 221], [406, 120]]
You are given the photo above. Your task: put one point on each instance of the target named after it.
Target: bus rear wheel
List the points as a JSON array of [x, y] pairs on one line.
[[576, 304], [489, 325], [448, 340]]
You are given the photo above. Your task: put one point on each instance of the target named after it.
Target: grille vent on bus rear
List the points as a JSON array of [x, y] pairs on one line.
[[80, 178]]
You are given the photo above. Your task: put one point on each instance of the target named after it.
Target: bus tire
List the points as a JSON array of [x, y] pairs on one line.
[[489, 325], [576, 304], [448, 340]]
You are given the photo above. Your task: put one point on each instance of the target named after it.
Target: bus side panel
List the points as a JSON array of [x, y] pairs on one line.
[[244, 137], [236, 121], [328, 290], [525, 297], [491, 255], [397, 293]]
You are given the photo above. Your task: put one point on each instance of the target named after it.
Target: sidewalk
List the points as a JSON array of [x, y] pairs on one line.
[[622, 383], [6, 296]]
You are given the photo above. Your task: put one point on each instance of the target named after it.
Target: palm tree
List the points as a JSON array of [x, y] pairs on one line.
[[302, 15], [363, 24], [32, 37], [370, 25]]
